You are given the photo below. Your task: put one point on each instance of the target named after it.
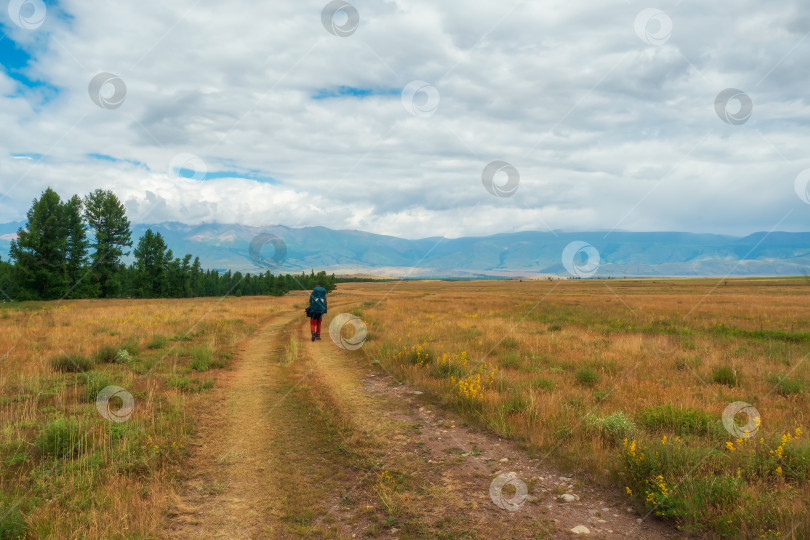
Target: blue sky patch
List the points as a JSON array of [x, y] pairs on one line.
[[105, 157], [27, 155], [214, 175], [351, 91], [15, 61]]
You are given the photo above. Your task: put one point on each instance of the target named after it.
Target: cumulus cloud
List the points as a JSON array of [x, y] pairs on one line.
[[299, 127]]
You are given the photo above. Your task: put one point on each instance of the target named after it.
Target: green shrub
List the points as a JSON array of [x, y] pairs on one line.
[[12, 523], [123, 357], [201, 358], [724, 375], [106, 354], [509, 343], [72, 363], [94, 382], [705, 501], [181, 383], [615, 427], [62, 438], [131, 347], [682, 421], [587, 376], [157, 342], [554, 327]]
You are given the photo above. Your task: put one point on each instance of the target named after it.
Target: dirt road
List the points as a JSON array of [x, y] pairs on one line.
[[303, 439]]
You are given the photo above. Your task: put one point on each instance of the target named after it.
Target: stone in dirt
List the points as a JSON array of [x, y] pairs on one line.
[[581, 529], [567, 497]]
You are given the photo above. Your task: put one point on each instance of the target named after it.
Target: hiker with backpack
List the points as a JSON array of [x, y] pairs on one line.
[[316, 310]]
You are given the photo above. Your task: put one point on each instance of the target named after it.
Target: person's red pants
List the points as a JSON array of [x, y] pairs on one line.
[[315, 325]]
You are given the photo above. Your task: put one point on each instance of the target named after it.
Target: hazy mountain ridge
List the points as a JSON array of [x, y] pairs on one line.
[[226, 246]]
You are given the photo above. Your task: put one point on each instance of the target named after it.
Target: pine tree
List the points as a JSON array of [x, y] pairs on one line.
[[151, 266], [76, 249], [106, 217], [39, 250]]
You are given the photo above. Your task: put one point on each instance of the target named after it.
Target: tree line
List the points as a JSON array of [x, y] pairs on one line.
[[76, 248]]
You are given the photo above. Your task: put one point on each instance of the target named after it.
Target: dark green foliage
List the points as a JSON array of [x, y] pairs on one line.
[[50, 259], [39, 252], [106, 355], [152, 258], [12, 523], [72, 363], [106, 217], [587, 376], [76, 246]]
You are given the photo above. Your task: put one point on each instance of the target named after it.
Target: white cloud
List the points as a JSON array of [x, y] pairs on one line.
[[606, 130]]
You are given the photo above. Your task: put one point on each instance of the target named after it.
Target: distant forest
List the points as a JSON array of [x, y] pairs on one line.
[[74, 249]]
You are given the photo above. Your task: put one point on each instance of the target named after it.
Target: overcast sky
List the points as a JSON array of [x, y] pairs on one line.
[[383, 115]]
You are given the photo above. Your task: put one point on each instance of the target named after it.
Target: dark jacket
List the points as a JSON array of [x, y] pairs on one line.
[[317, 300]]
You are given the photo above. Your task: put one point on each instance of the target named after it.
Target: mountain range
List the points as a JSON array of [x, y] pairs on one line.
[[519, 254]]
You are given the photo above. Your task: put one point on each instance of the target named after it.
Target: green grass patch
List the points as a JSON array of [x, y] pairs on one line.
[[444, 369], [765, 335], [788, 386], [94, 382], [12, 523], [157, 342], [106, 354], [542, 383], [72, 363], [724, 375], [131, 347], [189, 385], [201, 358], [511, 359], [61, 438], [682, 421], [514, 403], [614, 427], [587, 377]]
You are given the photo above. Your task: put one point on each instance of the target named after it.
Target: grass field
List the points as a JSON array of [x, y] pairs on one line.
[[625, 381], [65, 468]]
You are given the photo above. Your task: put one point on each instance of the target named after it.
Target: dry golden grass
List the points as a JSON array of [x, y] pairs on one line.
[[580, 365], [570, 368], [107, 479]]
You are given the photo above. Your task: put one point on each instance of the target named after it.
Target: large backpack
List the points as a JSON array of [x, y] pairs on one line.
[[317, 300]]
